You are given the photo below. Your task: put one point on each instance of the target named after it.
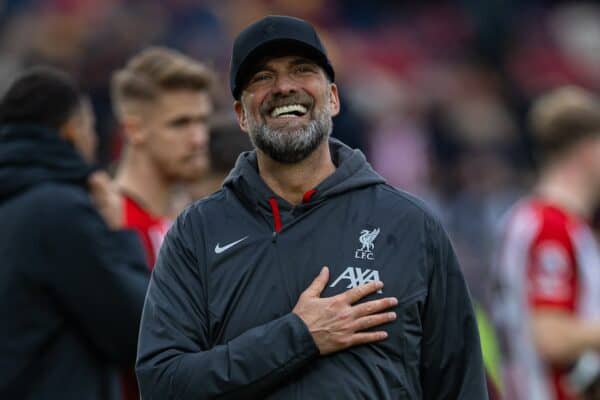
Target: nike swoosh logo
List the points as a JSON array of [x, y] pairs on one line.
[[219, 249]]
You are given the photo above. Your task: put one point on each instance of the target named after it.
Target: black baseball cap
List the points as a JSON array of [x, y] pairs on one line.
[[274, 35]]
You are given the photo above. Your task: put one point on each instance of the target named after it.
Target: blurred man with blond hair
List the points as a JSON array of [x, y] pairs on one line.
[[549, 265], [162, 100]]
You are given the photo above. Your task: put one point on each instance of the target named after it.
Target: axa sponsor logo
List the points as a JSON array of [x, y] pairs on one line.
[[366, 239], [357, 276]]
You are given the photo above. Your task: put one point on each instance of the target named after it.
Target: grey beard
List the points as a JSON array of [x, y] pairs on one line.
[[290, 147]]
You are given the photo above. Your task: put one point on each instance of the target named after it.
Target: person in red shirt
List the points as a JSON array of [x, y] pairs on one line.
[[549, 264], [163, 101]]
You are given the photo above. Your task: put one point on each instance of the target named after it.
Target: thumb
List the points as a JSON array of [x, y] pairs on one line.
[[317, 285]]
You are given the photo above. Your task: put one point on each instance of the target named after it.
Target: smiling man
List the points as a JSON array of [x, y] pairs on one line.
[[240, 305]]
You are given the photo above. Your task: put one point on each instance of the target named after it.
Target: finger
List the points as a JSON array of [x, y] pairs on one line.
[[367, 337], [353, 295], [98, 183], [317, 286], [373, 320], [99, 177], [373, 306]]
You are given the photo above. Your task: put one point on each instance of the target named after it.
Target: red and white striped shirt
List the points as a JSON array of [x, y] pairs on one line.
[[549, 260]]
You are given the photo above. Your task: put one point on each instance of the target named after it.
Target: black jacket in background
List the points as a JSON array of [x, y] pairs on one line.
[[217, 322], [71, 290]]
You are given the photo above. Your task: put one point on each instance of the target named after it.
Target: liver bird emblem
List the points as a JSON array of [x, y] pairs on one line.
[[367, 238]]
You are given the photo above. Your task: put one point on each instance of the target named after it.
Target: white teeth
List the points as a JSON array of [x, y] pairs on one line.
[[288, 109]]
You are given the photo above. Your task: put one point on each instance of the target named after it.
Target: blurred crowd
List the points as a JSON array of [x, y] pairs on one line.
[[435, 93]]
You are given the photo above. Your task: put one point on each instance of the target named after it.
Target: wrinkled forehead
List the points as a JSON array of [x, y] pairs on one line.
[[285, 61]]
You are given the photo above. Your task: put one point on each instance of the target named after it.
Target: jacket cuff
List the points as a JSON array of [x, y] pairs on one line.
[[309, 347]]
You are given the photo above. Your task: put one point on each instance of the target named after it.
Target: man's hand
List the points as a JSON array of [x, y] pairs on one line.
[[107, 199], [334, 323]]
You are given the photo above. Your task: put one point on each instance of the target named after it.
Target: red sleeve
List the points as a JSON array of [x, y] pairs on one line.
[[552, 268]]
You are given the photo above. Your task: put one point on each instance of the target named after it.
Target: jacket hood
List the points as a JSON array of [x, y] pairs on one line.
[[352, 172], [31, 155]]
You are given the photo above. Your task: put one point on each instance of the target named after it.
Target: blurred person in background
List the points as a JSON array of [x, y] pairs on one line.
[[72, 282], [549, 264], [585, 375], [162, 100], [227, 141], [231, 311]]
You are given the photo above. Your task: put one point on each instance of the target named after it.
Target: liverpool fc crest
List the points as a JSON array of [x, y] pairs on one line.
[[366, 239]]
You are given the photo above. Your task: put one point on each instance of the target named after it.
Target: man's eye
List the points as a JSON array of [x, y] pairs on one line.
[[260, 77], [178, 124]]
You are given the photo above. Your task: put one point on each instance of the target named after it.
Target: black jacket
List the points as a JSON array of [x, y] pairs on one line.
[[217, 322], [71, 290]]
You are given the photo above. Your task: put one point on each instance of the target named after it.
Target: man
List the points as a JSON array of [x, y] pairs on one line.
[[226, 143], [549, 264], [163, 102], [72, 283], [231, 312]]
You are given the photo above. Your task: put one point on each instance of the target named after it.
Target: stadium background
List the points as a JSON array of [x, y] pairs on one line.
[[435, 93]]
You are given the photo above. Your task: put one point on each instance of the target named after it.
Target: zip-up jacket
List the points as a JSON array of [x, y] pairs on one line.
[[217, 322], [71, 290]]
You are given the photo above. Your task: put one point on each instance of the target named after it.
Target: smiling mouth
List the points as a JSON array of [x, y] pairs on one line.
[[289, 110]]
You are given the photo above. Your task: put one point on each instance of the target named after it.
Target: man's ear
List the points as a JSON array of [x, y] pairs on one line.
[[334, 99], [241, 115], [68, 130], [133, 129]]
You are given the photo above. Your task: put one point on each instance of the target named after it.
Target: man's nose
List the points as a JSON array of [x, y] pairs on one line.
[[199, 137], [284, 84]]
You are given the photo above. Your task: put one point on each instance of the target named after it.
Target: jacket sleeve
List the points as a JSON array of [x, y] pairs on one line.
[[176, 359], [451, 361], [97, 276]]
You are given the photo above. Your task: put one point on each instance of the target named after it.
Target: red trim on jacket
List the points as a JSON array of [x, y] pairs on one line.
[[276, 214]]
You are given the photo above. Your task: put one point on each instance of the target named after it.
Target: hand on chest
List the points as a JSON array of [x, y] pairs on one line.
[[254, 279]]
